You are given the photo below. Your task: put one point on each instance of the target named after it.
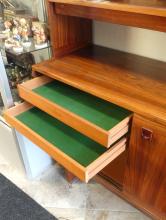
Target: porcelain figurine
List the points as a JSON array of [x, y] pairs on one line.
[[17, 47], [7, 31], [25, 32], [16, 35], [40, 35], [9, 43]]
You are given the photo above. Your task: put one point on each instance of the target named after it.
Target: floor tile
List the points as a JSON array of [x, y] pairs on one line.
[[97, 215], [3, 161], [76, 201], [17, 177], [52, 190], [107, 215], [101, 198], [67, 214]]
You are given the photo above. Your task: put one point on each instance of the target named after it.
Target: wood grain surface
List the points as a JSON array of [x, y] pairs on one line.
[[145, 177], [82, 172], [130, 81], [67, 33], [137, 13], [103, 136]]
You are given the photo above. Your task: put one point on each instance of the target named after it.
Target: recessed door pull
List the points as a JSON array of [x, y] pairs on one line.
[[147, 134]]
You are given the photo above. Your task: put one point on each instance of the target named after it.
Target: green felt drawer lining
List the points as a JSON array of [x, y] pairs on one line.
[[74, 144], [101, 113]]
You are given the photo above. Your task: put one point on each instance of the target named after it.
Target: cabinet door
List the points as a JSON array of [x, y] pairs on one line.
[[145, 177]]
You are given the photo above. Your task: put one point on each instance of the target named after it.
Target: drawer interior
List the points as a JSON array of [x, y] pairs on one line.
[[74, 144], [97, 111]]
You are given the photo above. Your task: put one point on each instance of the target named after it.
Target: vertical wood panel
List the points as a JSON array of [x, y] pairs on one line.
[[67, 33]]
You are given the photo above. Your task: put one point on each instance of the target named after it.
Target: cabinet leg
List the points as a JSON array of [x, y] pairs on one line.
[[69, 176]]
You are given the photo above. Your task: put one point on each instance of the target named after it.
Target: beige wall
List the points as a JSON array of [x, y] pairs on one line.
[[135, 40]]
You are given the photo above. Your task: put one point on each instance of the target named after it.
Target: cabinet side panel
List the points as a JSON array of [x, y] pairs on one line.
[[67, 33]]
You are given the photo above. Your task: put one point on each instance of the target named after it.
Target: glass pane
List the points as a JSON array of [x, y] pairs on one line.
[[18, 64]]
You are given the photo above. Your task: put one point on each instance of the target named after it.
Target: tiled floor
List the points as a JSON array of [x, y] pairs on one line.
[[76, 201]]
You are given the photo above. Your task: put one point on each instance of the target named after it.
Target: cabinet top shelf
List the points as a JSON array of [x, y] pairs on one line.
[[153, 7], [139, 13], [130, 81]]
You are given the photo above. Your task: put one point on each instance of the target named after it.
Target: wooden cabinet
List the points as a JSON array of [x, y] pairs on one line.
[[145, 177], [96, 78]]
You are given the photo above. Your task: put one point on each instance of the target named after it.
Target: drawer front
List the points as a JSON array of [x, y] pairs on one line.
[[32, 91], [85, 173]]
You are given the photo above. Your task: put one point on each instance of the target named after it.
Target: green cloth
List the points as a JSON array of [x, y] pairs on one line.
[[75, 145], [101, 113]]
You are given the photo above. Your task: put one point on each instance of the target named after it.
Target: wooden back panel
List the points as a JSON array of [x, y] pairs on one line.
[[67, 33]]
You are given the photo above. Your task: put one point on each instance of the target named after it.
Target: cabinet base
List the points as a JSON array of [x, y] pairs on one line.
[[127, 197]]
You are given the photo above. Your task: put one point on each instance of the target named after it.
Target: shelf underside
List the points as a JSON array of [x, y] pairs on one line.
[[138, 13], [130, 81]]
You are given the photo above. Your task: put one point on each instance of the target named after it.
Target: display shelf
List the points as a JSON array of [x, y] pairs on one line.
[[30, 49], [79, 154], [118, 77], [105, 122], [138, 13], [23, 61]]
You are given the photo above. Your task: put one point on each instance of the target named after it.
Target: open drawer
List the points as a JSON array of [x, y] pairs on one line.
[[77, 153], [100, 120]]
